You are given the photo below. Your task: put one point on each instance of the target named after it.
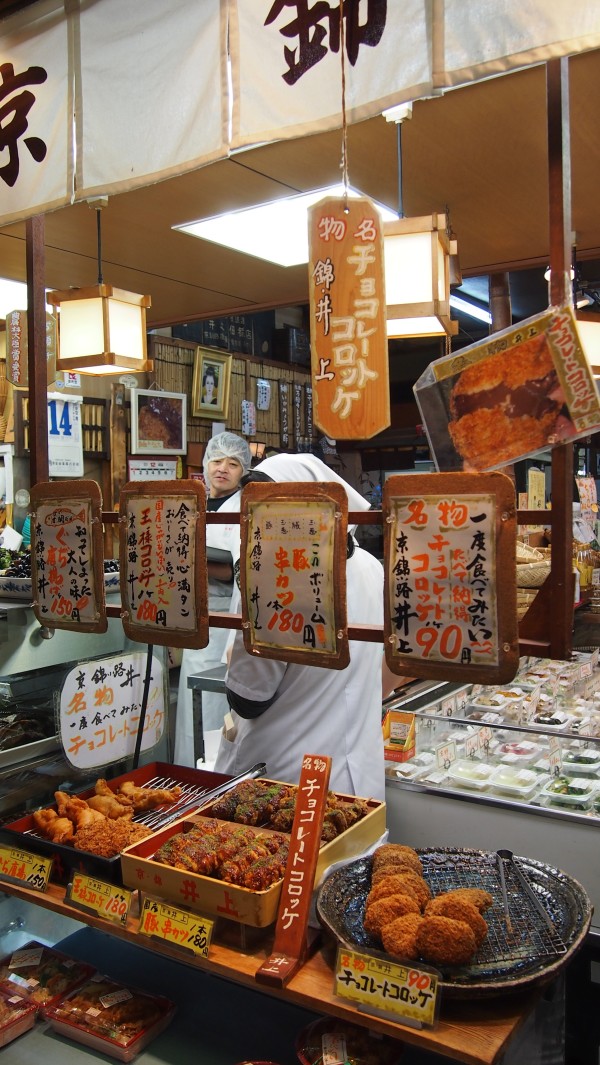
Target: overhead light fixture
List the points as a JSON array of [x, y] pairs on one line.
[[101, 329], [276, 231], [257, 449], [417, 277], [472, 309], [588, 328]]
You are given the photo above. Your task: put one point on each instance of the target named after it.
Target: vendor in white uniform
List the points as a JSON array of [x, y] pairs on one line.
[[226, 459], [282, 711]]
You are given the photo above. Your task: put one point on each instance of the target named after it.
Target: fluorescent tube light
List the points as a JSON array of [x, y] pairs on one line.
[[470, 308], [275, 231]]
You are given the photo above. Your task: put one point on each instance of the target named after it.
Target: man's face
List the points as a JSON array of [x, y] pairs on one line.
[[224, 475]]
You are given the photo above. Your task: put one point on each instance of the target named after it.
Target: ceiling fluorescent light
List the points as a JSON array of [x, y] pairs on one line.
[[275, 231], [471, 309]]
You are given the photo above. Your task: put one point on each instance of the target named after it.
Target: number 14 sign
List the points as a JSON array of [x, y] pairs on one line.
[[65, 440]]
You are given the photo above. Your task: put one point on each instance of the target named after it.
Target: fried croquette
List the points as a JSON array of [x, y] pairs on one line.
[[392, 885], [389, 853], [418, 885], [444, 941], [390, 867], [400, 936], [460, 910], [481, 899], [383, 911]]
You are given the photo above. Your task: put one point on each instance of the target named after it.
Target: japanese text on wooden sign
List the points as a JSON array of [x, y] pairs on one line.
[[349, 350], [284, 423], [96, 896], [24, 867], [442, 610], [292, 570], [67, 562], [162, 562], [100, 709], [178, 927]]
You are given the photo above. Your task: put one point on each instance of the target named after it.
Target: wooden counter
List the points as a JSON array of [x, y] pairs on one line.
[[473, 1031]]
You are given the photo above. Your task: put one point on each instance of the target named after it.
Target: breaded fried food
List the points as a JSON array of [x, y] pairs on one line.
[[383, 911], [390, 868], [461, 910], [444, 941], [392, 885], [400, 936], [481, 899], [389, 853], [417, 884]]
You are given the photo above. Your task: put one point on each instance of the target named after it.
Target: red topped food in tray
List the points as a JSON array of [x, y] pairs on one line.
[[41, 974]]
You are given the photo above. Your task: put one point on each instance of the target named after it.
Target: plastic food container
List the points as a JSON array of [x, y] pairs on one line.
[[518, 752], [331, 1040], [41, 974], [556, 720], [414, 768], [16, 1016], [574, 792], [488, 701], [470, 773], [582, 761], [514, 780], [109, 1017]]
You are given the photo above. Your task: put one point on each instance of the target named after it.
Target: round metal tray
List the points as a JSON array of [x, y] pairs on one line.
[[549, 916]]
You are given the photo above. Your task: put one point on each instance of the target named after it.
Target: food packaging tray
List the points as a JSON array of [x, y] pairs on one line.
[[16, 1016], [584, 794], [69, 1019], [514, 780], [66, 859], [470, 773], [40, 974], [212, 897]]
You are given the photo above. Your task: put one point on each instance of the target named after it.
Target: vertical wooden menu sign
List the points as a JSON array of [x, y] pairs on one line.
[[290, 945], [450, 581], [162, 550], [67, 559], [293, 572]]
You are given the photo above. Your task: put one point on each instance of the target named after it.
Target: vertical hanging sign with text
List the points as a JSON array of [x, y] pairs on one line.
[[349, 349]]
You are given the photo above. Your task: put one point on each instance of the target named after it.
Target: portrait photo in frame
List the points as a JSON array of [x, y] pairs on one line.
[[210, 384], [158, 422]]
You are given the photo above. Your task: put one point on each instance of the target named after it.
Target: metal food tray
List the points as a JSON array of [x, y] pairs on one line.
[[195, 783], [549, 914]]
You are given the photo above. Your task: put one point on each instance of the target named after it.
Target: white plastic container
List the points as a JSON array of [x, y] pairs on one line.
[[470, 773], [516, 781]]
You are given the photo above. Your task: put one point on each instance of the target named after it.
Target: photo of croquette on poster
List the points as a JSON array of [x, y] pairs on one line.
[[523, 389]]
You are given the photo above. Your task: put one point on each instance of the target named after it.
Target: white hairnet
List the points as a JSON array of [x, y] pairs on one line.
[[227, 446], [306, 467]]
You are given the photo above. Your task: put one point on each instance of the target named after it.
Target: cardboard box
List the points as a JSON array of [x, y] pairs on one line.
[[216, 898], [398, 735]]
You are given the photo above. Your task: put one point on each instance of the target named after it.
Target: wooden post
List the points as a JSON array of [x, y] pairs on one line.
[[118, 451], [500, 307], [36, 332]]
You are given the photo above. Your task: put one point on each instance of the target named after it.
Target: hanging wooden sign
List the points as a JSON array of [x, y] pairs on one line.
[[349, 348], [67, 558], [162, 547], [17, 349], [293, 572], [450, 544]]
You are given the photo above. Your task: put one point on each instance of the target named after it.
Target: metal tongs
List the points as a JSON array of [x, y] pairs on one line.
[[201, 798], [507, 857]]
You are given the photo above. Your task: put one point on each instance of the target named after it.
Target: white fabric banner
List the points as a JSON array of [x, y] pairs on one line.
[[36, 172], [151, 92], [287, 66], [482, 38]]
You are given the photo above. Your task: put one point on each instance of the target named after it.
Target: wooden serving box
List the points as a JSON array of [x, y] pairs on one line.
[[216, 898]]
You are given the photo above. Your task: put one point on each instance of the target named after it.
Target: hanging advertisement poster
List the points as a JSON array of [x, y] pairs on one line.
[[67, 558], [449, 541], [162, 550], [293, 572]]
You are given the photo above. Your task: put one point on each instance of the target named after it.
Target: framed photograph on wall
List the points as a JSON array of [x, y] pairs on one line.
[[158, 422], [210, 384]]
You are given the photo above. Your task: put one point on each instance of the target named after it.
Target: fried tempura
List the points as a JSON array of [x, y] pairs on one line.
[[444, 941], [400, 936], [52, 827], [77, 810], [383, 911], [460, 909], [147, 798]]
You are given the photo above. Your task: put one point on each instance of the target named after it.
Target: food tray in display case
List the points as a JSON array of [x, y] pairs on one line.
[[194, 784], [16, 1017], [41, 974], [549, 915], [110, 1017], [211, 896]]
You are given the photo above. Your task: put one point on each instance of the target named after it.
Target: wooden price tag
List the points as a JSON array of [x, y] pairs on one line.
[[181, 928], [19, 866], [381, 986], [96, 896]]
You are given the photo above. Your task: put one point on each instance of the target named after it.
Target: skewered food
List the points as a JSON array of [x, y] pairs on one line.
[[240, 855], [273, 805], [146, 798]]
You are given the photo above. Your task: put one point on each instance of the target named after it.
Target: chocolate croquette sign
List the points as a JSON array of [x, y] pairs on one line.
[[525, 388], [447, 539]]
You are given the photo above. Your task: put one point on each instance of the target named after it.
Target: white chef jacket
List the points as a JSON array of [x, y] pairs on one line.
[[335, 712], [214, 704]]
